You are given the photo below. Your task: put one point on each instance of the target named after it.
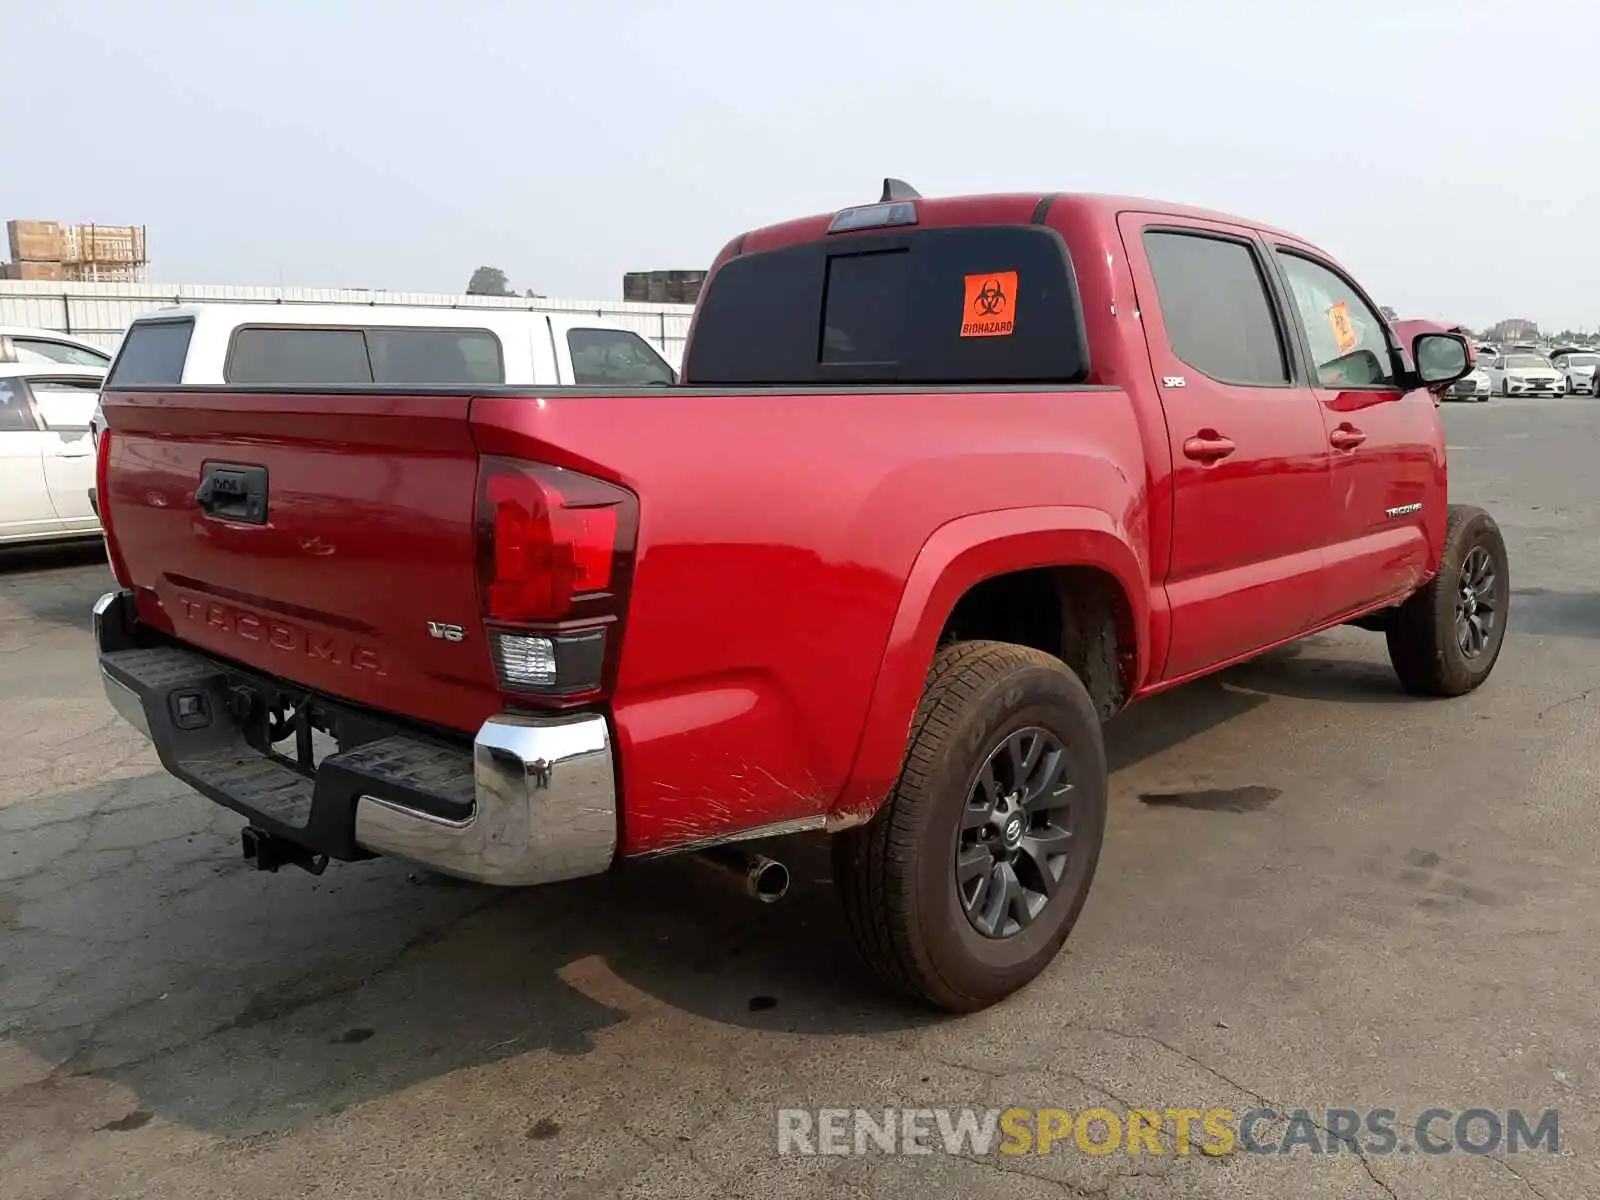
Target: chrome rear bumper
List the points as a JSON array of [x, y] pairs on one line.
[[532, 801], [545, 807]]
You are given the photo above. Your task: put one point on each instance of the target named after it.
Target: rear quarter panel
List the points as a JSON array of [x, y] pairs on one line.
[[777, 536]]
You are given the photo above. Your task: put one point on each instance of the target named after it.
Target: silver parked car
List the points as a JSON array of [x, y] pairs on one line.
[[1475, 385]]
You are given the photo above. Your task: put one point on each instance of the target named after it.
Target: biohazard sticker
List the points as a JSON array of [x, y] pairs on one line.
[[1344, 333], [991, 305]]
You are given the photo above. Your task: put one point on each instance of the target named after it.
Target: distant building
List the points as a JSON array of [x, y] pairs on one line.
[[49, 252], [1514, 329], [662, 287]]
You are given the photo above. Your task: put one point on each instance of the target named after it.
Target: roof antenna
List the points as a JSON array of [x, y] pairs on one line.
[[898, 189]]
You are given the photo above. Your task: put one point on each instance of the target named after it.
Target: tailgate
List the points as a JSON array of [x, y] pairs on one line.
[[324, 539]]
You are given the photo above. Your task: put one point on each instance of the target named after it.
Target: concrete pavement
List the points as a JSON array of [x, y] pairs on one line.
[[1315, 892]]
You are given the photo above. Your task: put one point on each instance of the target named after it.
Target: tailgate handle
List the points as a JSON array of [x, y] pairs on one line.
[[233, 493]]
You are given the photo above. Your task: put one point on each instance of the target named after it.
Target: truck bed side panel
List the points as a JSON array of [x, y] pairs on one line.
[[777, 533]]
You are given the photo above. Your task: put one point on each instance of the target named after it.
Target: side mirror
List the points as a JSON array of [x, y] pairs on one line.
[[1440, 358]]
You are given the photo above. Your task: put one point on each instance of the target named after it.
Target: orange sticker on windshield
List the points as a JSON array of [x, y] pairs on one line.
[[1344, 333], [991, 305]]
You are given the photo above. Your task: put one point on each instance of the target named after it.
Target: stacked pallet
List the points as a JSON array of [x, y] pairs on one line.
[[49, 250], [663, 287]]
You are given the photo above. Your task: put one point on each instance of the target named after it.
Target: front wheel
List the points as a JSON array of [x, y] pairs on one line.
[[965, 885], [1445, 639]]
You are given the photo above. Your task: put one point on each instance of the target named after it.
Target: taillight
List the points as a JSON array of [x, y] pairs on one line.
[[555, 555], [102, 499]]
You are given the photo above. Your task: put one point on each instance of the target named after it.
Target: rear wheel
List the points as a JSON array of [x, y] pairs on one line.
[[1445, 639], [965, 885]]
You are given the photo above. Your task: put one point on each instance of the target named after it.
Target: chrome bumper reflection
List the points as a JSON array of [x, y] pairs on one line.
[[545, 809], [126, 703]]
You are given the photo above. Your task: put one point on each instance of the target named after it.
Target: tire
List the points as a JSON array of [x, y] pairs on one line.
[[897, 875], [1425, 641]]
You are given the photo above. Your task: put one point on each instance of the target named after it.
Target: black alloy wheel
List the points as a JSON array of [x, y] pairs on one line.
[[1477, 603], [1016, 833]]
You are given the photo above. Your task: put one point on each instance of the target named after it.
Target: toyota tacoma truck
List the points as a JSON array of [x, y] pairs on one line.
[[945, 484]]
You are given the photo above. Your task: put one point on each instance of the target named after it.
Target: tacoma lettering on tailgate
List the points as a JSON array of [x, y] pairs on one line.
[[282, 635]]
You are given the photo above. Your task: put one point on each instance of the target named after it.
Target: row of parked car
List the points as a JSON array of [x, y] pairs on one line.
[[1527, 369]]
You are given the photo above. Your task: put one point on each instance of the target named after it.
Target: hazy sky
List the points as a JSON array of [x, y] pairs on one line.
[[1448, 153]]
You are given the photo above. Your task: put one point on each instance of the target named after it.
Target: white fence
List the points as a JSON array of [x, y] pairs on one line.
[[101, 311]]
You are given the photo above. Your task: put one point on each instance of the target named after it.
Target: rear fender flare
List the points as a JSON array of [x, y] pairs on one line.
[[958, 556]]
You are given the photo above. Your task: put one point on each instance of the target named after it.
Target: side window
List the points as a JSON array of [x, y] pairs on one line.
[[441, 356], [152, 354], [65, 405], [1215, 307], [1349, 345], [35, 350], [16, 415], [615, 358], [297, 356]]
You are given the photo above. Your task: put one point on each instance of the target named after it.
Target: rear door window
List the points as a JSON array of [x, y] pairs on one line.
[[152, 354], [16, 411], [65, 405], [1214, 304], [615, 358]]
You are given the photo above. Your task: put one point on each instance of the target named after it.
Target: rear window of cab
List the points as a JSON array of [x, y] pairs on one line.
[[983, 304]]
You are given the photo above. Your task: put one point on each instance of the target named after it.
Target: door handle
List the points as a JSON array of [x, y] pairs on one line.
[[73, 450], [1208, 446], [1346, 437]]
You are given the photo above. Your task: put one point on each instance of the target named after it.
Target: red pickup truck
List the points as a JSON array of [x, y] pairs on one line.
[[946, 484]]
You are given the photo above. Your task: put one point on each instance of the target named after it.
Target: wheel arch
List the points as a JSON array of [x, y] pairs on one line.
[[1092, 568]]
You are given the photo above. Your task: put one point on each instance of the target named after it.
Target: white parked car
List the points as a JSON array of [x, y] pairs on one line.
[[1520, 373], [46, 454], [1475, 385], [35, 347], [1577, 368]]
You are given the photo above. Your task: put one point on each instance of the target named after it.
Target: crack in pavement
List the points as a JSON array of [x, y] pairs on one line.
[[1576, 698], [1366, 1163], [259, 1011], [1525, 1181]]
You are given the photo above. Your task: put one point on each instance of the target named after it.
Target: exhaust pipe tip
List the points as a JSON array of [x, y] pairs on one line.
[[762, 878], [769, 879]]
